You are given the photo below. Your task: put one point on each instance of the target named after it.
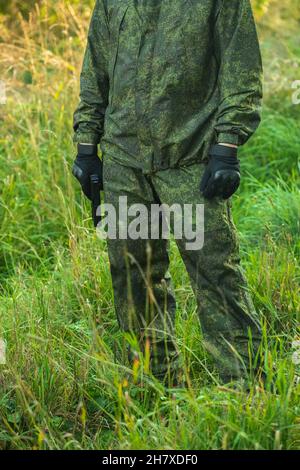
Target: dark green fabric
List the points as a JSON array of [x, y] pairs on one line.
[[162, 80], [144, 298]]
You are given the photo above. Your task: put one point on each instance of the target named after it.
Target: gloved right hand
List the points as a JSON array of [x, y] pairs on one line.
[[87, 163], [222, 174]]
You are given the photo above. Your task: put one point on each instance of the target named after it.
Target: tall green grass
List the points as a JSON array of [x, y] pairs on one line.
[[64, 385]]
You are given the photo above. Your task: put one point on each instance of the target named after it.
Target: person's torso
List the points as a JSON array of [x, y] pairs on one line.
[[162, 75]]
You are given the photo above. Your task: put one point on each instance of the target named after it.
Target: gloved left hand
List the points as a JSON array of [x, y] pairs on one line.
[[86, 164], [222, 174]]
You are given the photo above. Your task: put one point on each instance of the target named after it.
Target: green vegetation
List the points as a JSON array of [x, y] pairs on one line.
[[63, 386]]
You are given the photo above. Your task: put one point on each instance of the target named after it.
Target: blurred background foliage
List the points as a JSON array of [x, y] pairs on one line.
[[63, 387], [52, 29], [14, 6]]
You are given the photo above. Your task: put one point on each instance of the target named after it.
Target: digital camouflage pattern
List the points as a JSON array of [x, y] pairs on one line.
[[144, 298], [163, 80]]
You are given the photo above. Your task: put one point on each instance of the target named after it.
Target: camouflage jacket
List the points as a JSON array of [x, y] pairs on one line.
[[164, 79]]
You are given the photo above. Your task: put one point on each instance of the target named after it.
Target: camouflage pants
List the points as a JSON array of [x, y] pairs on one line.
[[144, 299]]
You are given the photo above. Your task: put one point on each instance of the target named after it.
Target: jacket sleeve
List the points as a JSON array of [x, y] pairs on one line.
[[240, 72], [94, 83]]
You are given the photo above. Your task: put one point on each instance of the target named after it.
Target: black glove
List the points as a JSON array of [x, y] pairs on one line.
[[222, 175], [86, 164]]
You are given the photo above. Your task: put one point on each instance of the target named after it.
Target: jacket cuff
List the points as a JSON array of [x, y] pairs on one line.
[[228, 138], [86, 138]]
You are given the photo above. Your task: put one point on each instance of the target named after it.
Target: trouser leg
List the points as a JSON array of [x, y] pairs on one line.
[[226, 311], [143, 294]]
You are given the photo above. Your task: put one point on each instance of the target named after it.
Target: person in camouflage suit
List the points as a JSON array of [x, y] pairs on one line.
[[170, 89]]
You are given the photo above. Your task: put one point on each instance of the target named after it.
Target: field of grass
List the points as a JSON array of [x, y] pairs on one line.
[[63, 385]]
